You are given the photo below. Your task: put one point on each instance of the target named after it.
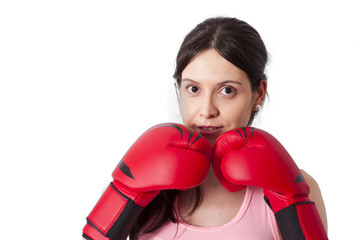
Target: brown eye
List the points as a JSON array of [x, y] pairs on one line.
[[193, 89], [228, 90]]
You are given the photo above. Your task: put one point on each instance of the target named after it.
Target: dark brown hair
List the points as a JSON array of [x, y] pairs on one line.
[[240, 44]]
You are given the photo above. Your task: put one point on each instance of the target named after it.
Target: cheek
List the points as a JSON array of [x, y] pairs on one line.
[[185, 110], [237, 114]]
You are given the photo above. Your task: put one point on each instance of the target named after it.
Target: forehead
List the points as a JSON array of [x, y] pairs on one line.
[[209, 66]]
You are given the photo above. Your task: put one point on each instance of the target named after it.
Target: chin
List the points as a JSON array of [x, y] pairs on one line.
[[211, 139]]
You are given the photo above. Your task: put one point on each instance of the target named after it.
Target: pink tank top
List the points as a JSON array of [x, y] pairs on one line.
[[254, 221]]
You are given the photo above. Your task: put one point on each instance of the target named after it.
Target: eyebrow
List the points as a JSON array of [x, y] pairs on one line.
[[230, 81], [220, 83]]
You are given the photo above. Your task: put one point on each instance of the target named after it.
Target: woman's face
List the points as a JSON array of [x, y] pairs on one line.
[[216, 96]]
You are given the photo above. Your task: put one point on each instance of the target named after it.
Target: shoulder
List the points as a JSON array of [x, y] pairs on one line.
[[309, 179], [316, 196], [315, 193]]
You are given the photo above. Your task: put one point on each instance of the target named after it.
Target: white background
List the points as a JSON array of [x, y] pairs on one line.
[[81, 80]]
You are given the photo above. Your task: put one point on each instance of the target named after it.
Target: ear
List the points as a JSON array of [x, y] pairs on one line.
[[260, 94]]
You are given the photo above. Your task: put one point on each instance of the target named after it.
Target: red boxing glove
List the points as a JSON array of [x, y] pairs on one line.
[[249, 156], [167, 156]]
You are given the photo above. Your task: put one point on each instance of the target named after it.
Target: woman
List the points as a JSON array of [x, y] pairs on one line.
[[222, 85]]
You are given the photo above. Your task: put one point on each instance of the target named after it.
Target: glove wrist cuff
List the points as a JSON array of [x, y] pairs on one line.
[[114, 215]]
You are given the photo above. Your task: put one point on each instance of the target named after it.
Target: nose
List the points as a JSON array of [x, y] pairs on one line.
[[209, 108]]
